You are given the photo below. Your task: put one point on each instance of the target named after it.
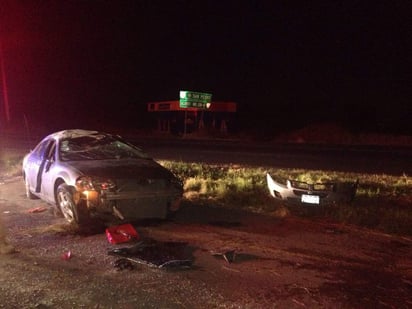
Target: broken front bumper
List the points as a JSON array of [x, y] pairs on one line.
[[132, 205], [316, 194]]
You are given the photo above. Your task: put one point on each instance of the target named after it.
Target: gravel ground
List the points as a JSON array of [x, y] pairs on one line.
[[280, 262]]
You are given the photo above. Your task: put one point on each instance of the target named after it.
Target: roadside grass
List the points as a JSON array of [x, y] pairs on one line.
[[382, 202], [10, 163]]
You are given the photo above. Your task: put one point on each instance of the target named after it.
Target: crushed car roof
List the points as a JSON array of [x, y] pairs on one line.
[[74, 133]]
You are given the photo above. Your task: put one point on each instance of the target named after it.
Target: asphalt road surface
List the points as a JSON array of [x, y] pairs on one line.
[[391, 160], [359, 159]]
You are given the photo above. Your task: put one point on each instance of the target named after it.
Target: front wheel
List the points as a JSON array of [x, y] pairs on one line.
[[73, 212]]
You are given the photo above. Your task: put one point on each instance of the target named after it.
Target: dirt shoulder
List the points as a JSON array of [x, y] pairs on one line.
[[282, 263]]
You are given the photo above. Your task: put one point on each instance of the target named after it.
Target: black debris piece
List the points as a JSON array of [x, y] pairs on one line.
[[229, 256], [122, 264], [157, 254]]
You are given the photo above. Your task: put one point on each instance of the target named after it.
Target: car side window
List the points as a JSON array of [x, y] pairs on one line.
[[51, 150], [41, 149]]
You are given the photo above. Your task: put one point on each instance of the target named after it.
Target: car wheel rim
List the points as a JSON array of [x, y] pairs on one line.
[[66, 206]]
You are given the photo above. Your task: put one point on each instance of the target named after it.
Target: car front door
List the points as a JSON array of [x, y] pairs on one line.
[[38, 163], [48, 173], [34, 165]]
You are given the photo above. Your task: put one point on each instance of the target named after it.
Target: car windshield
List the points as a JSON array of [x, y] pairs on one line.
[[98, 147]]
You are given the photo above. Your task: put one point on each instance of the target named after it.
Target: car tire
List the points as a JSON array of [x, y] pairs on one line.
[[29, 194], [72, 211]]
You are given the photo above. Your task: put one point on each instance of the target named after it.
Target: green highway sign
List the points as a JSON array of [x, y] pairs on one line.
[[195, 99]]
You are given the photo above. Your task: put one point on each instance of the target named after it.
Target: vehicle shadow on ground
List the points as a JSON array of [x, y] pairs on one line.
[[191, 213]]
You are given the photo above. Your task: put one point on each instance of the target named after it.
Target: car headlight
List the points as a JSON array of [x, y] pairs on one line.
[[87, 183]]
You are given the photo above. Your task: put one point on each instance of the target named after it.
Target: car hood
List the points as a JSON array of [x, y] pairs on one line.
[[122, 168]]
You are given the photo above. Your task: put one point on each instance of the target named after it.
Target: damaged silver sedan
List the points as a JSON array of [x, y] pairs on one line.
[[316, 194], [93, 175]]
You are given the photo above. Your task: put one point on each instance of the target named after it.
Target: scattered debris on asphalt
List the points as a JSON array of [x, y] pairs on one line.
[[229, 255], [121, 233], [122, 264], [176, 255], [37, 209], [67, 255], [312, 193]]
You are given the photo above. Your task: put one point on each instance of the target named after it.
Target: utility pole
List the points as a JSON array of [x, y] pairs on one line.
[[4, 84]]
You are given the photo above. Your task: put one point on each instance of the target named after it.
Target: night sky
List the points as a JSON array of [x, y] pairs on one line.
[[287, 64]]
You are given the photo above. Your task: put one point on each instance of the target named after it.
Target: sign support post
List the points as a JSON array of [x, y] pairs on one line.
[[197, 100]]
